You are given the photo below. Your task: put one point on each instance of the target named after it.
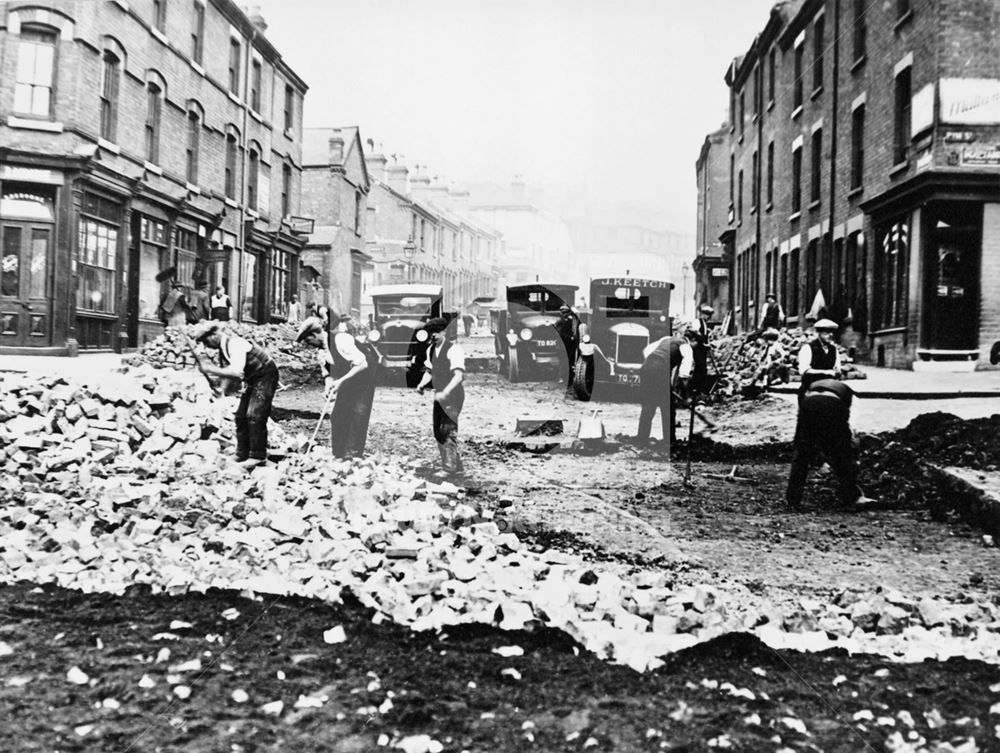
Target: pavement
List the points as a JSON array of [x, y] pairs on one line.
[[901, 384]]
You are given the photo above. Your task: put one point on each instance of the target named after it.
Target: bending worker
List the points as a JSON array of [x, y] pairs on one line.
[[823, 427], [668, 364], [354, 383], [241, 359], [820, 358]]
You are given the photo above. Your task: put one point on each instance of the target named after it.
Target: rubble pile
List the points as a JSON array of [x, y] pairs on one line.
[[94, 502], [51, 427], [173, 349], [740, 362]]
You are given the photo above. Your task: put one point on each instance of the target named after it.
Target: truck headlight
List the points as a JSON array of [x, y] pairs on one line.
[[525, 333], [421, 335], [374, 336]]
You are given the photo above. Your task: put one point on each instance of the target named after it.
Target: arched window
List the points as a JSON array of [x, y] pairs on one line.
[[154, 108], [193, 143], [36, 71], [111, 75]]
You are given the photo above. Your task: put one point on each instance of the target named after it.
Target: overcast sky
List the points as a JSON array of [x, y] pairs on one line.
[[611, 96]]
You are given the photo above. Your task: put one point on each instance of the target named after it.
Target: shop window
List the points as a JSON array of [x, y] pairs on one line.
[[278, 294], [248, 305], [186, 257], [110, 85], [97, 255], [890, 267], [35, 77], [152, 255]]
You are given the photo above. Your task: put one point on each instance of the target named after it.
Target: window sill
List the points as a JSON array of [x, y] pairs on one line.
[[160, 36], [97, 315], [152, 168], [192, 188], [740, 139], [854, 192], [256, 115], [288, 133], [769, 207], [198, 69], [233, 97], [30, 124], [230, 203], [122, 4], [753, 211], [794, 217], [816, 92], [796, 112], [252, 214], [108, 146], [770, 105], [756, 118], [903, 21], [814, 205], [857, 64], [889, 331], [899, 168]]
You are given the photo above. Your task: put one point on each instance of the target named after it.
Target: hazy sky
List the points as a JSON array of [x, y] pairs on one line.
[[614, 96]]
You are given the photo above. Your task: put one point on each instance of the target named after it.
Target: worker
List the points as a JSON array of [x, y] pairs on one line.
[[353, 381], [772, 317], [700, 347], [568, 328], [823, 427], [241, 359], [174, 307], [819, 358], [198, 302], [444, 370], [666, 369]]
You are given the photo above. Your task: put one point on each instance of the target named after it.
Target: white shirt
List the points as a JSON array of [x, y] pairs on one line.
[[294, 312], [348, 349], [456, 357], [684, 368], [805, 360], [235, 349]]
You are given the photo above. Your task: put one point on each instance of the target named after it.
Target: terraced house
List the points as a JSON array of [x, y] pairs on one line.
[[864, 175], [135, 136]]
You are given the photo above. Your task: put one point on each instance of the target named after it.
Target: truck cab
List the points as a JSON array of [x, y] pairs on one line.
[[400, 312], [525, 338]]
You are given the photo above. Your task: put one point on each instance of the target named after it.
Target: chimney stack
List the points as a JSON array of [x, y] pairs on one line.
[[256, 19], [397, 175], [375, 161], [336, 148]]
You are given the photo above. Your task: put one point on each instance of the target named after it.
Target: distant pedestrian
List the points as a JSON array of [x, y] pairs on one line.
[[220, 305], [664, 374], [174, 306], [241, 359], [772, 317], [819, 358], [294, 310], [700, 348], [823, 427], [467, 321], [444, 370], [198, 303], [354, 383]]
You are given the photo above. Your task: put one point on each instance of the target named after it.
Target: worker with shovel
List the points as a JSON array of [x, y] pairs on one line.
[[444, 370], [353, 381], [241, 359], [667, 366], [823, 428]]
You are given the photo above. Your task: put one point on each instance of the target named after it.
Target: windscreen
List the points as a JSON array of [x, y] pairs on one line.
[[407, 307]]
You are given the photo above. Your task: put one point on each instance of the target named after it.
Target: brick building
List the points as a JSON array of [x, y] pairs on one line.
[[711, 265], [137, 136], [335, 188], [418, 231], [864, 175]]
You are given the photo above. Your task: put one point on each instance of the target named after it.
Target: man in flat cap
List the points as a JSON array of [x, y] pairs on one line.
[[444, 369], [819, 358], [699, 379], [568, 328], [352, 377], [241, 359]]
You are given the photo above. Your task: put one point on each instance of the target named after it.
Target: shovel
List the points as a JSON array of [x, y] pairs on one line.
[[591, 427], [327, 405]]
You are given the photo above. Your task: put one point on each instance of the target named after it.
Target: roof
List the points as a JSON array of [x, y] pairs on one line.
[[316, 144], [545, 285], [404, 289]]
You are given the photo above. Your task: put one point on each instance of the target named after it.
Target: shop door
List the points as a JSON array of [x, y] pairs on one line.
[[25, 306], [952, 264]]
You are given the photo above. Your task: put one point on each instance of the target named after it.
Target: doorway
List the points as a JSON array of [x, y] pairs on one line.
[[25, 263], [951, 281]]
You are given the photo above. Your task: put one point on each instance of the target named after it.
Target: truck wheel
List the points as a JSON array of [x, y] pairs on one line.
[[513, 367], [583, 377]]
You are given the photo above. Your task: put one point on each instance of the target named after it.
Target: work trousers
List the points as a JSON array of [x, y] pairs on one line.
[[252, 415], [654, 393], [569, 349], [822, 428], [446, 430], [699, 374], [351, 413]]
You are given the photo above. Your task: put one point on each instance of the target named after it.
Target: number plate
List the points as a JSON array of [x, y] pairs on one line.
[[628, 379], [545, 343]]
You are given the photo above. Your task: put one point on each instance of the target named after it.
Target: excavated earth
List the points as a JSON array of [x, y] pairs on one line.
[[385, 686]]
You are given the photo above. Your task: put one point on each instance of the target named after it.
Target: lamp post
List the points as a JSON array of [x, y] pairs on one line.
[[409, 249], [684, 288]]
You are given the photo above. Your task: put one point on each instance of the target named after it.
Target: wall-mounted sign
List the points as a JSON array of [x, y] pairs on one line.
[[720, 272], [922, 110], [959, 137], [970, 101], [980, 155], [31, 175]]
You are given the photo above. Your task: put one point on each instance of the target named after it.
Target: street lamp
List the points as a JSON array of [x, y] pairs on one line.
[[408, 251], [684, 288]]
